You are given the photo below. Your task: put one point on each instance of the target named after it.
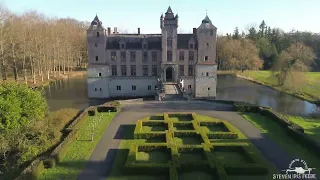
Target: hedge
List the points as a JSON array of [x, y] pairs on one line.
[[148, 148], [222, 135], [32, 172], [186, 134], [153, 123], [149, 135], [166, 117], [173, 173]]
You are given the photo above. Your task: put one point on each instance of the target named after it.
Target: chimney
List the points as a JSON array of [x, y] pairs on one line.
[[109, 30], [138, 31], [194, 31], [114, 30]]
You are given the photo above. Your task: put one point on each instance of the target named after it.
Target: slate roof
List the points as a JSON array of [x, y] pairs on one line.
[[135, 41]]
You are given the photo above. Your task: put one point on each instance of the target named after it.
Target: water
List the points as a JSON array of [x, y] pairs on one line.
[[73, 93], [233, 88]]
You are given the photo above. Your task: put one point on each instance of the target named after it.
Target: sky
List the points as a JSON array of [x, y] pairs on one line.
[[128, 15]]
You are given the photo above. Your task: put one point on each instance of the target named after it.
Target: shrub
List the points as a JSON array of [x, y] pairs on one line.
[[152, 123], [166, 117], [33, 171], [148, 135], [92, 111], [186, 134], [245, 107], [222, 135]]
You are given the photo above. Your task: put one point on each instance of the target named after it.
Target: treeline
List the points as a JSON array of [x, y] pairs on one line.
[[36, 46], [260, 48]]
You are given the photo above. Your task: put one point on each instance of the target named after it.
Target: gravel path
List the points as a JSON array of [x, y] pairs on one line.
[[101, 160]]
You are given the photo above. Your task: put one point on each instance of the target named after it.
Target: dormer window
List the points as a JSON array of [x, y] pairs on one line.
[[191, 46], [98, 34], [96, 44]]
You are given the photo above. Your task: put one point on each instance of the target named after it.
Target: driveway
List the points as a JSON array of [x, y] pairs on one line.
[[101, 160]]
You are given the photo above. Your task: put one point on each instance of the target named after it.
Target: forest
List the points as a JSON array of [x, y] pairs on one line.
[[35, 46], [261, 48]]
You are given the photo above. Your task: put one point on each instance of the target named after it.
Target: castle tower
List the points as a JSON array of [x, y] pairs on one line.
[[169, 26], [96, 35], [206, 68]]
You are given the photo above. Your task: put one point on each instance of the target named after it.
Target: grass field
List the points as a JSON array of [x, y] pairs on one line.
[[278, 135], [310, 126], [79, 151], [186, 154], [307, 87]]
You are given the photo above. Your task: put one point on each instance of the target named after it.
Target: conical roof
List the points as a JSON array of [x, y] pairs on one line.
[[169, 11], [206, 20]]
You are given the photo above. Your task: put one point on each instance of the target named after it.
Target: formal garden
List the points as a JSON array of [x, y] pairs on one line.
[[186, 146]]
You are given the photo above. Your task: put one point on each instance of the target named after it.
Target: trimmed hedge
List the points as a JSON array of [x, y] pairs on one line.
[[245, 107], [209, 162], [222, 135], [148, 135]]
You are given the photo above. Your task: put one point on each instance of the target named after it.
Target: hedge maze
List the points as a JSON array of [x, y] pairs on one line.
[[181, 144]]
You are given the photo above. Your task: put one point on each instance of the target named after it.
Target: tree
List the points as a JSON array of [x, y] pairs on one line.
[[236, 34], [296, 58], [20, 106], [262, 27], [253, 35]]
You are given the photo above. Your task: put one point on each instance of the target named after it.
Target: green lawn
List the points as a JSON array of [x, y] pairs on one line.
[[309, 87], [128, 140], [79, 151], [310, 126], [276, 133]]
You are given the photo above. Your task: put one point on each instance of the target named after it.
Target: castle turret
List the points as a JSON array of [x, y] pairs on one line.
[[96, 34], [206, 68]]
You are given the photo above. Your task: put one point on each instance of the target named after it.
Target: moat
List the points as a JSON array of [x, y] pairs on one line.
[[72, 93]]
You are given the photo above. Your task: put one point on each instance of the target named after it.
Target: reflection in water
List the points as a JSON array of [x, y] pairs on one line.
[[233, 88], [73, 93]]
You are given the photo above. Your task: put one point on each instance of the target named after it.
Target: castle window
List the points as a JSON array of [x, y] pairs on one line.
[[145, 57], [181, 70], [190, 70], [154, 56], [97, 58], [123, 46], [191, 55], [123, 56], [211, 32], [134, 88], [191, 46], [114, 70], [95, 89], [149, 87], [154, 70], [123, 70], [206, 58], [99, 74], [113, 55], [118, 88], [98, 34], [144, 70], [133, 56], [169, 56], [100, 89], [96, 44], [133, 70], [189, 86], [181, 55], [144, 46], [207, 74], [208, 89]]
